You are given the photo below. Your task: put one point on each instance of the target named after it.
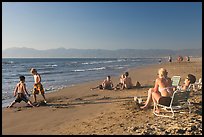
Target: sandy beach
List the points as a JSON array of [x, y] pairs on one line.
[[79, 110]]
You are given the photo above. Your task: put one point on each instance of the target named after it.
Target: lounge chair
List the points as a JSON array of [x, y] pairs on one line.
[[197, 85], [178, 101]]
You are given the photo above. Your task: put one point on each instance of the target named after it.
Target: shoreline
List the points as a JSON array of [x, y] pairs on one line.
[[7, 101], [52, 84], [59, 87], [74, 110]]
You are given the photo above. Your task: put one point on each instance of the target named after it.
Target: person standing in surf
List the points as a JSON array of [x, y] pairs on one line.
[[38, 87]]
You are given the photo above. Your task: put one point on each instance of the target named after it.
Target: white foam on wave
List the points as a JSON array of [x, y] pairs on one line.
[[52, 65], [85, 63], [93, 69], [8, 62], [78, 70]]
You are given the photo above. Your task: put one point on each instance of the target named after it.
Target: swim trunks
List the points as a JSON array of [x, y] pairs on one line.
[[38, 88], [21, 97]]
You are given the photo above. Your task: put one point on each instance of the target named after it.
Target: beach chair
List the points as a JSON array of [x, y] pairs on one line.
[[178, 102], [176, 81], [197, 85]]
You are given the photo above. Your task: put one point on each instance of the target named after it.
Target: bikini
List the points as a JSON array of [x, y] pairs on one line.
[[165, 100], [167, 89]]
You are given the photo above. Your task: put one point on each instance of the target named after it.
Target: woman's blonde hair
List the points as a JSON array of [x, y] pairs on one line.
[[162, 72]]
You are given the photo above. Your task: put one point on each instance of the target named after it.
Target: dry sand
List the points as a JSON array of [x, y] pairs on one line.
[[79, 110]]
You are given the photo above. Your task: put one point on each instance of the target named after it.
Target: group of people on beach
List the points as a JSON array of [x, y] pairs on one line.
[[161, 92], [163, 89], [125, 83], [21, 93], [179, 58]]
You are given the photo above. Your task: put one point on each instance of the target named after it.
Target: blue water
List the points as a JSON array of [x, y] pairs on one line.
[[57, 73]]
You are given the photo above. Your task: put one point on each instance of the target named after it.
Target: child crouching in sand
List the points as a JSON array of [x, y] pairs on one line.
[[21, 93]]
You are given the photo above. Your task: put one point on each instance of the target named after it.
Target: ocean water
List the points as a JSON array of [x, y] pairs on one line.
[[57, 73]]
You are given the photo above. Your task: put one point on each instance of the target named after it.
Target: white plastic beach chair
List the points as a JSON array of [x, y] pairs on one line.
[[179, 101], [197, 85]]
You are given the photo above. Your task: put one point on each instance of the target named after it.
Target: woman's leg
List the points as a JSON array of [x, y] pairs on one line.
[[155, 97], [149, 98]]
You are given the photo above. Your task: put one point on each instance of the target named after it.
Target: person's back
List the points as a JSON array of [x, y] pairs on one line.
[[127, 81], [164, 86], [20, 92], [21, 88]]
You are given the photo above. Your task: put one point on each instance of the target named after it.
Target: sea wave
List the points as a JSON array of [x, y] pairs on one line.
[[95, 69], [8, 62], [51, 72], [51, 65], [78, 70]]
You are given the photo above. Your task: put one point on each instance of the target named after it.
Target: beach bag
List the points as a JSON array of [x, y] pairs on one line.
[[138, 85]]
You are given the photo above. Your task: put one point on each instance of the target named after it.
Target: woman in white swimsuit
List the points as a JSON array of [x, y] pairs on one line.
[[162, 88]]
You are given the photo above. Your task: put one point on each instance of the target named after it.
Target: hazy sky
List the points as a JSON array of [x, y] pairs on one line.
[[111, 25]]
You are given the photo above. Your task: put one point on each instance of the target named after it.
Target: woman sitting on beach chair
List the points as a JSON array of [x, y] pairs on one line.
[[107, 84], [162, 88]]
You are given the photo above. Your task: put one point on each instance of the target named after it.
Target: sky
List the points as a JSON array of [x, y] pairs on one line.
[[102, 25]]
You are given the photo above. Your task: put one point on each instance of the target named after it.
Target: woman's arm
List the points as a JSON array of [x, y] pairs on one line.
[[156, 86]]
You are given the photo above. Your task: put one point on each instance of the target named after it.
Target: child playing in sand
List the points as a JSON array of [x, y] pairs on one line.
[[21, 93], [38, 87], [107, 84]]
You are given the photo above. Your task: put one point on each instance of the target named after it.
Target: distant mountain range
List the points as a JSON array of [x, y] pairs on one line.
[[98, 53]]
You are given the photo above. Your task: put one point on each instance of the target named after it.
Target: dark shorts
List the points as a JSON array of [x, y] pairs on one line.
[[165, 101], [21, 97], [108, 87]]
